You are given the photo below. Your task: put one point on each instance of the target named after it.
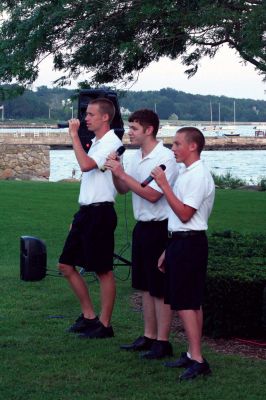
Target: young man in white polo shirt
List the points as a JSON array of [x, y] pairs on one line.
[[150, 233], [90, 242], [186, 256]]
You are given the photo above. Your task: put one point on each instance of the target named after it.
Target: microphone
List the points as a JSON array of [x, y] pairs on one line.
[[63, 124], [118, 152], [150, 178]]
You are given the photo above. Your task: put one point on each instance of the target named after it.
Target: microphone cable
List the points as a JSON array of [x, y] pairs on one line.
[[127, 244], [125, 247]]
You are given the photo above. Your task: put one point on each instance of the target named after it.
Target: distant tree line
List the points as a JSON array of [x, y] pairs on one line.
[[195, 107], [56, 104], [43, 104]]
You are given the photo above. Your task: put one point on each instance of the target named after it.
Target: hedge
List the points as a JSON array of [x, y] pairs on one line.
[[235, 298]]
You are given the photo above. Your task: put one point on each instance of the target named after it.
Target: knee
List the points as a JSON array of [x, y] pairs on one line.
[[106, 278], [105, 275], [65, 269]]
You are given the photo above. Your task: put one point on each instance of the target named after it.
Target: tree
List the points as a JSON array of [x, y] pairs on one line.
[[114, 40]]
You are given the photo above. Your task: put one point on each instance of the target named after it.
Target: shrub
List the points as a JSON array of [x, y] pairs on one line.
[[227, 181], [262, 184], [235, 301]]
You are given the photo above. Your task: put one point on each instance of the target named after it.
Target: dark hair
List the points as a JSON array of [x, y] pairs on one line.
[[146, 118], [106, 106], [194, 135]]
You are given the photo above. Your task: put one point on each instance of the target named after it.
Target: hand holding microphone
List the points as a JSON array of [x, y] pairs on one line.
[[150, 178], [118, 153]]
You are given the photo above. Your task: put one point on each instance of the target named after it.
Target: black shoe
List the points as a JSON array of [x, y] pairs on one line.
[[81, 324], [194, 370], [159, 349], [98, 332], [142, 343], [183, 362]]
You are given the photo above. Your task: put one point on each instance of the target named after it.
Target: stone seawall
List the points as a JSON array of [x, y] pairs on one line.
[[219, 143], [62, 140], [21, 161], [27, 156]]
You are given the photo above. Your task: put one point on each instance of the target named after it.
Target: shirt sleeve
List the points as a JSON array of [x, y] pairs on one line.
[[195, 191], [105, 148]]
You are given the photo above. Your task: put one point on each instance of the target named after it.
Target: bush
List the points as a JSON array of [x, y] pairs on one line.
[[235, 301], [262, 184], [227, 181]]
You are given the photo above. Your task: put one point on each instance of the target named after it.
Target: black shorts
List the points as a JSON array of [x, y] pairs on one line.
[[149, 241], [186, 266], [90, 242]]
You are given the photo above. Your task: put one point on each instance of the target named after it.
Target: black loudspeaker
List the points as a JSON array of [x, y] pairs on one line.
[[33, 259], [85, 97]]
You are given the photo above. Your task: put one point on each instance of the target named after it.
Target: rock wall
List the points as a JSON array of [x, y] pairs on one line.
[[27, 162]]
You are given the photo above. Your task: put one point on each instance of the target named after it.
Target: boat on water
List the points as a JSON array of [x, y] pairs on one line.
[[168, 126], [231, 134]]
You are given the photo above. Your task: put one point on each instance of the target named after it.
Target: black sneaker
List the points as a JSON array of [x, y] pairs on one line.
[[142, 343], [182, 362], [195, 369], [81, 324], [159, 349], [98, 332]]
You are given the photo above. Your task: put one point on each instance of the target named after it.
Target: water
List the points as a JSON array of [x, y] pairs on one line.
[[165, 130], [208, 131], [249, 165], [38, 131]]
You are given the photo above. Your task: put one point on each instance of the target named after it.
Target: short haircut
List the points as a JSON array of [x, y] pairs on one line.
[[193, 135], [146, 118], [106, 106]]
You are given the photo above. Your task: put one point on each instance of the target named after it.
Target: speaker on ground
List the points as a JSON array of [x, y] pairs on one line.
[[33, 259]]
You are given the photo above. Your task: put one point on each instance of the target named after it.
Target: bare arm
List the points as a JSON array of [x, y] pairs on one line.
[[161, 262], [183, 211], [124, 182], [85, 162]]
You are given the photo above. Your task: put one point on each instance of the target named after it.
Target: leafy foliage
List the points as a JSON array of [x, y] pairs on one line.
[[227, 181], [263, 184], [193, 107], [43, 103], [114, 40], [235, 292]]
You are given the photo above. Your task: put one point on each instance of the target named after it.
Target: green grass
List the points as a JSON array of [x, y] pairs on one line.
[[40, 361]]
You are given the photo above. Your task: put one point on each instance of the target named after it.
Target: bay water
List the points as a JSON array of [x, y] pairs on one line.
[[249, 165]]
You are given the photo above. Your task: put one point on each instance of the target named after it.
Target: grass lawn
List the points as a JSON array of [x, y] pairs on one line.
[[39, 360]]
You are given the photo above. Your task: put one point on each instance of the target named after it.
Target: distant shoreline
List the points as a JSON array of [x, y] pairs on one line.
[[49, 125]]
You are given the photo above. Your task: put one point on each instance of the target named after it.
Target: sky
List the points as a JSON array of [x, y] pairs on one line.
[[224, 75]]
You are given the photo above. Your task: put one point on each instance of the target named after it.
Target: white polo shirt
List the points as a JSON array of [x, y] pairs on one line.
[[140, 168], [97, 186], [195, 188]]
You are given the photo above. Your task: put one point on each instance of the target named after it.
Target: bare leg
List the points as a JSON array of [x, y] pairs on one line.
[[80, 289], [199, 314], [108, 294], [192, 321], [150, 324], [163, 318], [200, 319]]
